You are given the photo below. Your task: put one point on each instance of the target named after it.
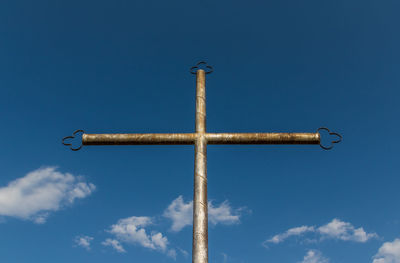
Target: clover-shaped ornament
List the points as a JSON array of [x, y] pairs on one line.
[[201, 65], [338, 138], [67, 141]]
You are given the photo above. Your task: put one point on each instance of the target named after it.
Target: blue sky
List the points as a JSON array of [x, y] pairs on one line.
[[122, 66]]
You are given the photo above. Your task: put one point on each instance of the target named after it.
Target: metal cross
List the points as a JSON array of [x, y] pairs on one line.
[[200, 139]]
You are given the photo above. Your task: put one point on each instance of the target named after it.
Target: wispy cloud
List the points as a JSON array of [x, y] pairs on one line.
[[336, 229], [40, 192], [389, 252], [183, 252], [181, 213], [223, 214], [83, 241], [132, 230], [172, 253], [296, 231], [314, 256], [345, 231], [114, 244]]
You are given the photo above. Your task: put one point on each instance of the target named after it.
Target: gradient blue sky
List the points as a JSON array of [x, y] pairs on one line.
[[122, 66]]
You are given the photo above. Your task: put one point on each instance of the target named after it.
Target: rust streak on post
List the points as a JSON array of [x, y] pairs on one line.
[[263, 138], [200, 216]]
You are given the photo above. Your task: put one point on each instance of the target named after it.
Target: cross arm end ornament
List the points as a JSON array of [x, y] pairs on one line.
[[67, 141], [190, 138]]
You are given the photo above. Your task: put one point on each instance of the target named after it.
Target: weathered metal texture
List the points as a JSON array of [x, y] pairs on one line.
[[263, 138], [138, 139], [200, 213], [200, 101], [190, 138]]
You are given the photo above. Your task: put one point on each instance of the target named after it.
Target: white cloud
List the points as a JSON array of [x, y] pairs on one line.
[[132, 230], [222, 214], [314, 256], [40, 192], [184, 252], [172, 253], [296, 231], [159, 241], [83, 241], [181, 214], [336, 229], [114, 244], [389, 252]]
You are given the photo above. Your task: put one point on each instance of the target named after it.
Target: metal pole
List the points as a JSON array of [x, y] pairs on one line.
[[263, 138], [200, 214], [139, 139], [190, 138]]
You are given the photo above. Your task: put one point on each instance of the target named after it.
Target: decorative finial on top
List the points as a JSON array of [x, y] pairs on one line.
[[70, 138], [339, 138], [201, 65]]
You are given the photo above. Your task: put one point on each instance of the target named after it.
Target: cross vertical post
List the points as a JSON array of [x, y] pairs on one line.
[[200, 139], [200, 215]]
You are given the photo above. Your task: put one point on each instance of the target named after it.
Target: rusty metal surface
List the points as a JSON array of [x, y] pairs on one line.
[[138, 139], [263, 138], [200, 212], [190, 138]]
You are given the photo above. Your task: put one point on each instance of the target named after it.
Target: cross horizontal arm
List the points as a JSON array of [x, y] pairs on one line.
[[263, 138], [190, 138], [138, 139]]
